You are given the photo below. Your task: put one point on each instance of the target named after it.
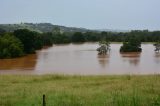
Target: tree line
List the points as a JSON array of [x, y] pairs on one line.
[[23, 41]]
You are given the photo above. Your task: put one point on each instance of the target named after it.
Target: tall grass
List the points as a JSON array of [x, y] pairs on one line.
[[61, 90]]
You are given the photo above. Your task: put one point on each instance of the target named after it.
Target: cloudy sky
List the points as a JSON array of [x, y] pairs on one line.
[[92, 14]]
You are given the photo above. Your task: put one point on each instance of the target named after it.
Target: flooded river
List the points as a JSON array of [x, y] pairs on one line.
[[82, 59]]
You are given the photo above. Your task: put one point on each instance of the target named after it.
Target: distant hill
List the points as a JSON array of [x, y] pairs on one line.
[[48, 27], [40, 27], [113, 30]]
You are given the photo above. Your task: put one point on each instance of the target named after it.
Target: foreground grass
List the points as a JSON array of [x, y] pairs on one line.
[[23, 90]]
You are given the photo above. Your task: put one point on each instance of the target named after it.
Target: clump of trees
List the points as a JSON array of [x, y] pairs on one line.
[[2, 31], [131, 44], [104, 47], [31, 40], [78, 37], [61, 38], [23, 41], [10, 47], [157, 46], [55, 37], [47, 39]]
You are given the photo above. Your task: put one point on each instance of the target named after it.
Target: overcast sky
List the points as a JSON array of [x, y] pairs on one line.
[[92, 14]]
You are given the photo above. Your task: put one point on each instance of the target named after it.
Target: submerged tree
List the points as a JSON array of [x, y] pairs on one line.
[[132, 44], [104, 47], [157, 46]]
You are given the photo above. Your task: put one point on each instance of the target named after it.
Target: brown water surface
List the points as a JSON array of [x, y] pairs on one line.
[[83, 59]]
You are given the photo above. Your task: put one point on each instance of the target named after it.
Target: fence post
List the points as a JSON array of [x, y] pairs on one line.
[[44, 100]]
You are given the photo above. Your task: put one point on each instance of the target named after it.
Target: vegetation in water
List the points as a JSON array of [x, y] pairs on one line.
[[157, 46], [131, 44], [104, 47], [32, 41]]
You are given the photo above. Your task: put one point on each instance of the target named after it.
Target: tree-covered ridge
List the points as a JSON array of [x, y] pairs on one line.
[[88, 35], [40, 27]]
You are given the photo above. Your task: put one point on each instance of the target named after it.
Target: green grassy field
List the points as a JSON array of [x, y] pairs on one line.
[[27, 90]]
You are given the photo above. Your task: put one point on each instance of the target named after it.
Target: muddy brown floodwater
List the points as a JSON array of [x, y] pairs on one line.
[[82, 59]]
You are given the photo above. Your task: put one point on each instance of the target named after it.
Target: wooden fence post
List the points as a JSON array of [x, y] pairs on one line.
[[44, 100]]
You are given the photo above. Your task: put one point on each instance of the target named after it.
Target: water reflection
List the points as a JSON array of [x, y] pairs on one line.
[[103, 60], [132, 58], [22, 63], [157, 57], [83, 59]]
